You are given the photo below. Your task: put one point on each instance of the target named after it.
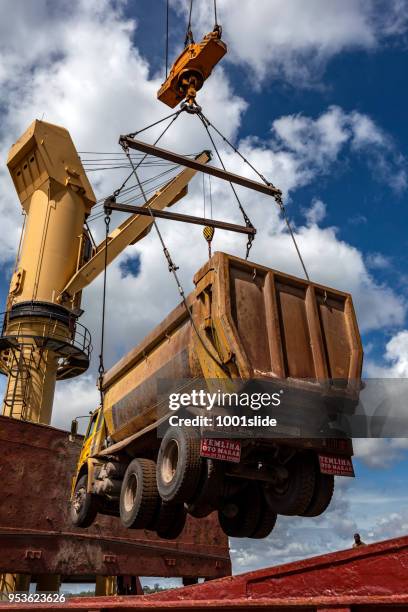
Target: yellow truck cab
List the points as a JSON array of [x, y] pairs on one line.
[[93, 441]]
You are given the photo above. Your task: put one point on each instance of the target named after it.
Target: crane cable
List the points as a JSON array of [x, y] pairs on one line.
[[278, 198], [241, 208], [101, 368], [167, 39], [216, 24], [173, 269], [174, 116], [189, 34]]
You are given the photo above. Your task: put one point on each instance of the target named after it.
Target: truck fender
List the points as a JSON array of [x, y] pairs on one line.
[[87, 468]]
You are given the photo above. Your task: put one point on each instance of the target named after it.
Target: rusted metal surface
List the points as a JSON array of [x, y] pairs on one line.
[[369, 578], [377, 570], [36, 537], [293, 604], [262, 324]]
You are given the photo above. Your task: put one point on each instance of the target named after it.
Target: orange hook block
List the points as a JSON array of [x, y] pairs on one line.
[[193, 66]]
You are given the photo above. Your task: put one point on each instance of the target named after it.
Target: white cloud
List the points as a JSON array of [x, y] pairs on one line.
[[317, 143], [316, 213], [75, 398], [380, 453], [378, 261], [390, 526], [395, 357], [295, 40]]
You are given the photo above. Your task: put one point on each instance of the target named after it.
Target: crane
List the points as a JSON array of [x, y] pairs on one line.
[[42, 340]]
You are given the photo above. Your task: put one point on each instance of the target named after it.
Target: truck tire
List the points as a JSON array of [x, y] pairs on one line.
[[171, 521], [178, 466], [322, 495], [266, 522], [294, 495], [139, 498], [209, 491], [240, 515], [84, 505]]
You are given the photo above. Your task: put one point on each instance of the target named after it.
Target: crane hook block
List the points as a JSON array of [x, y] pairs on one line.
[[193, 66]]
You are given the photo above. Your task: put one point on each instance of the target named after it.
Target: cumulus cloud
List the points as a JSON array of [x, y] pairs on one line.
[[386, 392], [317, 143], [378, 261], [390, 526], [380, 453], [316, 213], [395, 358], [295, 40], [75, 398]]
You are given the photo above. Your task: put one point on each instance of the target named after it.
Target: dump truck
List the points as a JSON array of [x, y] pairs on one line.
[[248, 325]]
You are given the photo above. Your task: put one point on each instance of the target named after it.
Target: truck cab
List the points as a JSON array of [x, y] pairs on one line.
[[93, 442]]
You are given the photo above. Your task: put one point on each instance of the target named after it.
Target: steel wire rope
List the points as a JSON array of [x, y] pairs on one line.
[[173, 270], [241, 208], [189, 34], [133, 197], [278, 198], [216, 25], [167, 39], [133, 134], [101, 368]]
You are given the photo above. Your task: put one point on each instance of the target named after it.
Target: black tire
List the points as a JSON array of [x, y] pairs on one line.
[[178, 466], [208, 495], [266, 522], [139, 498], [294, 495], [171, 521], [241, 513], [322, 495], [109, 507], [84, 506]]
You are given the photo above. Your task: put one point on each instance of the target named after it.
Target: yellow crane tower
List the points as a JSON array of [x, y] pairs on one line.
[[42, 340]]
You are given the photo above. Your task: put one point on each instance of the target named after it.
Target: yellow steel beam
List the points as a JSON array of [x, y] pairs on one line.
[[131, 230]]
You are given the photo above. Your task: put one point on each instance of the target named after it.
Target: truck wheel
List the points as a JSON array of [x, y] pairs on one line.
[[322, 495], [139, 498], [178, 466], [266, 522], [84, 505], [240, 514], [294, 495], [171, 521], [209, 492]]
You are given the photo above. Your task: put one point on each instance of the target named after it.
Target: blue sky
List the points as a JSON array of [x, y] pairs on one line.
[[316, 95]]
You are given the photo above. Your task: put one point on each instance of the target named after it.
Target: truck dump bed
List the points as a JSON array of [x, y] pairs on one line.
[[258, 322]]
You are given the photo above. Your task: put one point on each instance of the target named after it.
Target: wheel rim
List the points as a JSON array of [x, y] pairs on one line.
[[170, 462], [78, 500], [130, 493]]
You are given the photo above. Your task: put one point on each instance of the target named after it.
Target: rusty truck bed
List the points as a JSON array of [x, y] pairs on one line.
[[260, 323]]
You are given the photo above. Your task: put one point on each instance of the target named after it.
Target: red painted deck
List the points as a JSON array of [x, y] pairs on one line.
[[36, 537], [373, 577]]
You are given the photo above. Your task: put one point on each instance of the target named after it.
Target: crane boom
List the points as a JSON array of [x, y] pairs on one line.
[[132, 229]]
